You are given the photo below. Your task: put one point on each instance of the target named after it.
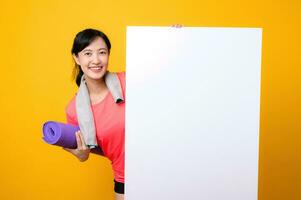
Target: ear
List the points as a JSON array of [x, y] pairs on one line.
[[75, 57]]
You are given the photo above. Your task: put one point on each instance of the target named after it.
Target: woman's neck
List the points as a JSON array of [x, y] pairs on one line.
[[96, 87]]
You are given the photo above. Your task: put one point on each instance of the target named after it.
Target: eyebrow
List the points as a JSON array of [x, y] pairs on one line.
[[98, 49]]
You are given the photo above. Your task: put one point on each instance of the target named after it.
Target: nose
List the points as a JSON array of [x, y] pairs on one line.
[[96, 59]]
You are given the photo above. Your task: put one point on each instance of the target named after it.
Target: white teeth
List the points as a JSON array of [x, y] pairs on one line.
[[96, 68]]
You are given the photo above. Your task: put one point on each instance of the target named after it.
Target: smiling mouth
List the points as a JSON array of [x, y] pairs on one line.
[[96, 68]]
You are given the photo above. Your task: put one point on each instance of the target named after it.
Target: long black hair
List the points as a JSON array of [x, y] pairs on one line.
[[81, 41]]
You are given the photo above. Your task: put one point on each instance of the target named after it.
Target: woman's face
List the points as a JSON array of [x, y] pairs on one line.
[[93, 59]]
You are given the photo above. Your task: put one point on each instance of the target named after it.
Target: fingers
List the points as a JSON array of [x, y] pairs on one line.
[[82, 151], [78, 140], [84, 146]]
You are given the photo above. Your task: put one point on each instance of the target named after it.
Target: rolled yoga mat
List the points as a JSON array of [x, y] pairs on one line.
[[63, 135]]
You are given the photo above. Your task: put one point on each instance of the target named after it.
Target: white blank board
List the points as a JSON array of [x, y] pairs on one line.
[[192, 115]]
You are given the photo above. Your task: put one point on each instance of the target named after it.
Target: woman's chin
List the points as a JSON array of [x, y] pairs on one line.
[[95, 76]]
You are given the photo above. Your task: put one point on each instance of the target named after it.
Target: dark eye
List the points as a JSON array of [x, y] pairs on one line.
[[88, 54], [103, 52]]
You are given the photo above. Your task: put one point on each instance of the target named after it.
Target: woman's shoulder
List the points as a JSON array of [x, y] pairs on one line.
[[121, 76], [70, 108]]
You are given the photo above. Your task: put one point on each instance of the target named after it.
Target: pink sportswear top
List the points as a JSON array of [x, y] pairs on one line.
[[109, 118]]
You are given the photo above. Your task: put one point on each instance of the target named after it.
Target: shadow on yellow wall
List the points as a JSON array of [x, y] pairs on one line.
[[36, 66]]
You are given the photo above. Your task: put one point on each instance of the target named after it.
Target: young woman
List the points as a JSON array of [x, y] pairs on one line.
[[91, 50]]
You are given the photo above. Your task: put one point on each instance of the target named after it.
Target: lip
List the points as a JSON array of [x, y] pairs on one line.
[[96, 68], [99, 66]]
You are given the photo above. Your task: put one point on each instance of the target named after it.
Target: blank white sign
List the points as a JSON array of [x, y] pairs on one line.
[[192, 115]]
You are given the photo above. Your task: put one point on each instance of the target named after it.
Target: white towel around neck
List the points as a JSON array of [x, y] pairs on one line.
[[84, 110]]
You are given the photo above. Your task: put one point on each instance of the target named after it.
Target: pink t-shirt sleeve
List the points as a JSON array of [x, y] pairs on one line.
[[71, 113]]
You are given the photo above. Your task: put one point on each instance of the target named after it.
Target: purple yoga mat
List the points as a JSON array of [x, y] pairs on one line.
[[63, 135], [60, 134]]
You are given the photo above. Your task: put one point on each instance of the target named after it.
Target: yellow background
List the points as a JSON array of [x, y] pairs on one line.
[[36, 65]]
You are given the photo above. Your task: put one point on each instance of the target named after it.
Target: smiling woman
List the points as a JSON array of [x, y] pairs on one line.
[[91, 50], [93, 59]]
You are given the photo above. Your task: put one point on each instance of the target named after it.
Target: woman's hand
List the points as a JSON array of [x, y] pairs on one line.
[[82, 152]]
